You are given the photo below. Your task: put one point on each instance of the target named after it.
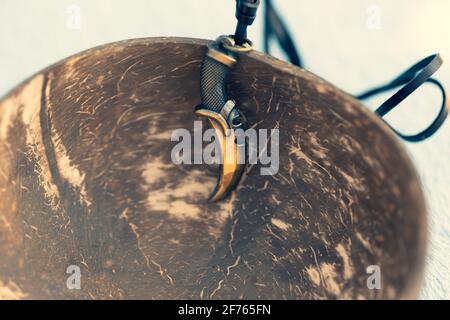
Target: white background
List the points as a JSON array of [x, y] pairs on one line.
[[337, 41]]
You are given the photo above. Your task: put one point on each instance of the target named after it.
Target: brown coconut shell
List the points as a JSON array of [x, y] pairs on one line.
[[86, 179]]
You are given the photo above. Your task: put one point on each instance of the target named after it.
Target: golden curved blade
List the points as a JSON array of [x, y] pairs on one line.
[[230, 169]]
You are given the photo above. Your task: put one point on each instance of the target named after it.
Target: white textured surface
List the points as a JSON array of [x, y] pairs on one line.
[[333, 36]]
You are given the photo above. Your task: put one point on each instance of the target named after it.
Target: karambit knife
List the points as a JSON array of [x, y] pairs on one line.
[[222, 113]]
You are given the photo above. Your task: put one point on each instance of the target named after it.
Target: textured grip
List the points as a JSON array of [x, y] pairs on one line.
[[213, 79]]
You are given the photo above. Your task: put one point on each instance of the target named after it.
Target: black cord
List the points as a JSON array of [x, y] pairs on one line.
[[245, 14], [275, 28], [412, 79]]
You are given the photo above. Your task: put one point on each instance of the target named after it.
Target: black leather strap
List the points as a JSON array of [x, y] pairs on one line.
[[412, 79], [275, 28]]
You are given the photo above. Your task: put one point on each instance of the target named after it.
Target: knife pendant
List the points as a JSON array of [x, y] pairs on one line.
[[223, 114]]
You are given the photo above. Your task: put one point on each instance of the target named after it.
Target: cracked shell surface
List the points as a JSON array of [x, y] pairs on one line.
[[86, 179]]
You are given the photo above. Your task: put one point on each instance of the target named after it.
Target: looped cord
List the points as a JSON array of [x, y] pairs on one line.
[[412, 78]]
